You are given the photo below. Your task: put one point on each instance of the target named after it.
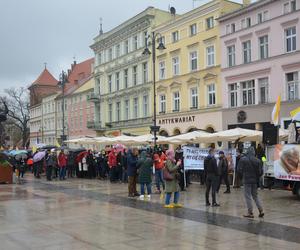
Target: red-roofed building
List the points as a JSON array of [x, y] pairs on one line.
[[44, 85]]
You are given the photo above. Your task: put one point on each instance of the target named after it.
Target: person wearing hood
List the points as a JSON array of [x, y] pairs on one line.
[[211, 173], [250, 168], [145, 166], [172, 185], [132, 158]]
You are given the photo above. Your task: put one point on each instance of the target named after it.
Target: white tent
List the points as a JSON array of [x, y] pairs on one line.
[[81, 140], [237, 134], [191, 137]]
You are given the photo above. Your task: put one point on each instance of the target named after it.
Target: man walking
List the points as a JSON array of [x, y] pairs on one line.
[[223, 169], [250, 168], [211, 176]]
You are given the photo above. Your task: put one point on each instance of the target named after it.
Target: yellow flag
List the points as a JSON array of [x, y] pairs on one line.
[[295, 112], [276, 111], [57, 144]]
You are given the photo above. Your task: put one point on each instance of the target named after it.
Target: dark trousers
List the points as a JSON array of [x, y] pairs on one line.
[[113, 174], [148, 185], [224, 177], [132, 185], [119, 171], [211, 183], [49, 172]]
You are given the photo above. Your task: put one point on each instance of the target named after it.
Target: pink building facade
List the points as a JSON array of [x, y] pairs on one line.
[[80, 111], [260, 46]]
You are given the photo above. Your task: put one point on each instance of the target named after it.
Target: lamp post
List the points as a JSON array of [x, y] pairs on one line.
[[151, 41], [63, 79]]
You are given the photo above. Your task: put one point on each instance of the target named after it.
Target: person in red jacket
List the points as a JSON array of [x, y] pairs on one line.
[[112, 163], [62, 163]]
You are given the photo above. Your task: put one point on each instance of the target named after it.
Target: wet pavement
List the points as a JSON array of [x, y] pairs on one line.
[[92, 214]]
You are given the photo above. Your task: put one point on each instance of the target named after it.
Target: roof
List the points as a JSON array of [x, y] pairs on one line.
[[45, 78], [80, 71]]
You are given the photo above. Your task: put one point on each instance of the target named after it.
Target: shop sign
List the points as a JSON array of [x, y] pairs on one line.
[[176, 120]]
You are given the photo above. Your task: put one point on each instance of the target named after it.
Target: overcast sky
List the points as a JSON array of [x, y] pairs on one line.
[[54, 31]]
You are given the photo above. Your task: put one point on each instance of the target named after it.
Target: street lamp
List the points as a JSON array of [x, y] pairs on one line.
[[151, 41], [63, 80]]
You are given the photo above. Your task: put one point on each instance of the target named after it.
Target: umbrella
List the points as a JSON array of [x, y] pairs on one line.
[[4, 156], [81, 155], [17, 152], [46, 147], [21, 156], [39, 156]]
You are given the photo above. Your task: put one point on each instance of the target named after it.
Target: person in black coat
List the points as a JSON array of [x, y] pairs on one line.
[[223, 169], [212, 177], [179, 156], [91, 164]]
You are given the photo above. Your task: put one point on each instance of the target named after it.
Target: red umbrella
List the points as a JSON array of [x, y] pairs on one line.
[[81, 155]]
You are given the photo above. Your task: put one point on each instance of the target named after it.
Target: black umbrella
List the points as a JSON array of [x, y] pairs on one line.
[[48, 147]]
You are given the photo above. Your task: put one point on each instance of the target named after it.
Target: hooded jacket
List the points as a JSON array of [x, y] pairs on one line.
[[131, 164], [145, 166], [249, 167]]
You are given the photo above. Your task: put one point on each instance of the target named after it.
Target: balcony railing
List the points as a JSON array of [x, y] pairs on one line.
[[95, 126], [130, 123], [93, 97]]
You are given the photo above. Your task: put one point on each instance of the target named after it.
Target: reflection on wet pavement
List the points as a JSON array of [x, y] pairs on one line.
[[92, 214]]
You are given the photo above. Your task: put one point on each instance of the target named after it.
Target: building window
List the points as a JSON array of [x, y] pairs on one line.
[[175, 62], [248, 22], [227, 29], [194, 98], [134, 75], [243, 23], [145, 105], [145, 72], [109, 84], [126, 47], [99, 58], [263, 90], [232, 27], [162, 70], [126, 113], [233, 94], [263, 47], [209, 23], [136, 107], [248, 92], [118, 50], [262, 16], [118, 111], [292, 86], [145, 38], [193, 60], [289, 6], [290, 39], [231, 56], [162, 104], [110, 112], [135, 42], [110, 54], [125, 78], [117, 81], [247, 51], [211, 91], [193, 29], [176, 101], [175, 36], [163, 40], [210, 56]]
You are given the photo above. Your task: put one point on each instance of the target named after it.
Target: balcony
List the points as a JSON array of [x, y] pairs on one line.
[[93, 97], [146, 121], [95, 126]]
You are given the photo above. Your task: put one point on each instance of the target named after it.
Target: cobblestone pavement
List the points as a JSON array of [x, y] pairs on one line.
[[92, 214]]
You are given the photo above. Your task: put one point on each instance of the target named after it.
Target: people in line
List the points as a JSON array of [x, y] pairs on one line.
[[172, 183], [212, 176], [250, 169]]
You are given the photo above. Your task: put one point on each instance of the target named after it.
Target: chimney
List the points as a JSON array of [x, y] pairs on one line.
[[246, 2]]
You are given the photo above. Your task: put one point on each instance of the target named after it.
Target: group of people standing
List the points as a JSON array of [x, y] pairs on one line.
[[249, 168]]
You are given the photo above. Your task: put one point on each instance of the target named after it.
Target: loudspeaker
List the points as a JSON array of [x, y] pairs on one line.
[[270, 135]]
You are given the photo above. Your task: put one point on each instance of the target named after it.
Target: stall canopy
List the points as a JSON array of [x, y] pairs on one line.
[[237, 134], [191, 137]]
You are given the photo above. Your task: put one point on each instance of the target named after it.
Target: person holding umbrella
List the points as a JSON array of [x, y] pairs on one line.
[[62, 163]]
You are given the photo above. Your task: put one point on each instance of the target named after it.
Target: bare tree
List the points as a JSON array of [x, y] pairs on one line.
[[17, 100]]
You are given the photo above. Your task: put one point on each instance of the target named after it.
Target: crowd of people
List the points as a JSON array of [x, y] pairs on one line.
[[134, 166]]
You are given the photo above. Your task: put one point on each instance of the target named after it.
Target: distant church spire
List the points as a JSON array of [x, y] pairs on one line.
[[101, 30], [45, 65]]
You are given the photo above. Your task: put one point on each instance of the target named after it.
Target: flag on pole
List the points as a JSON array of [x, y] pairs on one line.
[[295, 114], [276, 111]]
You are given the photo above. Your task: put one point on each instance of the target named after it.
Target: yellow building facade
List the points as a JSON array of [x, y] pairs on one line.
[[188, 71]]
